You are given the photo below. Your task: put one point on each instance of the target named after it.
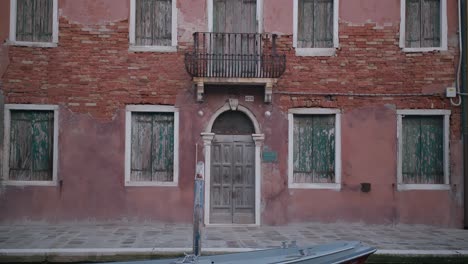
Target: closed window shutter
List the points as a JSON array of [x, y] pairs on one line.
[[423, 150], [31, 145], [315, 24], [305, 24], [314, 149], [431, 23], [323, 24], [152, 146], [153, 23], [423, 23], [163, 147], [34, 20]]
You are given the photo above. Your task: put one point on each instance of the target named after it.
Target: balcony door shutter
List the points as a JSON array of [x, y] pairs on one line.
[[235, 16]]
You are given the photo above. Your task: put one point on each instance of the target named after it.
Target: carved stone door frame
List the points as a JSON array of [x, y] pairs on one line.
[[258, 138]]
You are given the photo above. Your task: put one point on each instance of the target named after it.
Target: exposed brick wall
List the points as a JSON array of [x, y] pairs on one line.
[[369, 61], [92, 71]]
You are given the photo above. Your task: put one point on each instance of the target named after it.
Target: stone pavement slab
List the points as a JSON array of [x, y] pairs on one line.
[[151, 235]]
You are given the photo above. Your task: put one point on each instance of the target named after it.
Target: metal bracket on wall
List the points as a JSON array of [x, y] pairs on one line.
[[200, 91], [268, 92]]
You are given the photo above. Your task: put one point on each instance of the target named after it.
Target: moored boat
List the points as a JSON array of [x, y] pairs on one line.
[[352, 252]]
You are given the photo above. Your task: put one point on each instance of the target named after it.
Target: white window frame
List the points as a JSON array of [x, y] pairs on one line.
[[138, 48], [128, 142], [314, 111], [316, 51], [55, 28], [402, 186], [6, 149], [210, 9], [443, 29]]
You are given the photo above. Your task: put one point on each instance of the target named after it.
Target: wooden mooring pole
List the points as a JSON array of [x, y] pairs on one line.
[[198, 202]]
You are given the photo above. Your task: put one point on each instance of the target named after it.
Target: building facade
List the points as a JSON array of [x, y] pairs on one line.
[[300, 110]]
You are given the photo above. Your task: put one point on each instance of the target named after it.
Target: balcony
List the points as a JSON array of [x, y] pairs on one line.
[[234, 58]]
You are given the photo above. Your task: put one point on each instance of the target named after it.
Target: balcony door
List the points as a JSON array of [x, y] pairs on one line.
[[235, 16], [236, 48]]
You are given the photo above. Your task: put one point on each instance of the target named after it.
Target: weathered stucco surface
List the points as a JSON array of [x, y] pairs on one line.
[[94, 11], [4, 32], [95, 77]]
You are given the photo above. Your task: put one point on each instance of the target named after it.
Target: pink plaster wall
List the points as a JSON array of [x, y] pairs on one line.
[[94, 11], [369, 155], [91, 180], [278, 16], [4, 32], [362, 11], [191, 18]]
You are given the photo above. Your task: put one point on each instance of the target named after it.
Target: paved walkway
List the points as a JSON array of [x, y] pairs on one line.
[[149, 235]]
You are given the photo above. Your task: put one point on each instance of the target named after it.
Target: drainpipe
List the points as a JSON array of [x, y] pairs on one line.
[[463, 30]]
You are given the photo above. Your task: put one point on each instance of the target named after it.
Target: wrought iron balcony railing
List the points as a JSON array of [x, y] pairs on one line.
[[235, 55]]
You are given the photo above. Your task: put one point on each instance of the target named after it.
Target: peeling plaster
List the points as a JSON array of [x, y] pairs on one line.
[[94, 11]]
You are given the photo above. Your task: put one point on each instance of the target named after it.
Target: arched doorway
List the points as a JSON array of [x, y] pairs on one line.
[[232, 186], [232, 167]]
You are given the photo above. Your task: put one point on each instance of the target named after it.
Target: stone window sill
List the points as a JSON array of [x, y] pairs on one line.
[[32, 44], [133, 48]]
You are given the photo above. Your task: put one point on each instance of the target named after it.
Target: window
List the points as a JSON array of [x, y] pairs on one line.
[[34, 23], [423, 25], [153, 25], [314, 148], [30, 153], [423, 138], [315, 27], [151, 146]]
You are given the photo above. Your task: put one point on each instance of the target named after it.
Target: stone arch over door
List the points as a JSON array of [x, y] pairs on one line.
[[211, 141]]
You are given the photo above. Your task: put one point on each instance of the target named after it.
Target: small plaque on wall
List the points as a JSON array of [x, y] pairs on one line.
[[249, 98], [270, 156]]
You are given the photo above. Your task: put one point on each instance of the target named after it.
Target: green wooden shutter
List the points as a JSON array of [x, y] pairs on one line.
[[34, 20], [315, 24], [31, 145], [152, 147], [163, 147], [423, 23], [423, 150], [314, 148], [153, 25]]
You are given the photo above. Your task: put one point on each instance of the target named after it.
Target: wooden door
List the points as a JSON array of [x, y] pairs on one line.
[[232, 184], [235, 16]]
